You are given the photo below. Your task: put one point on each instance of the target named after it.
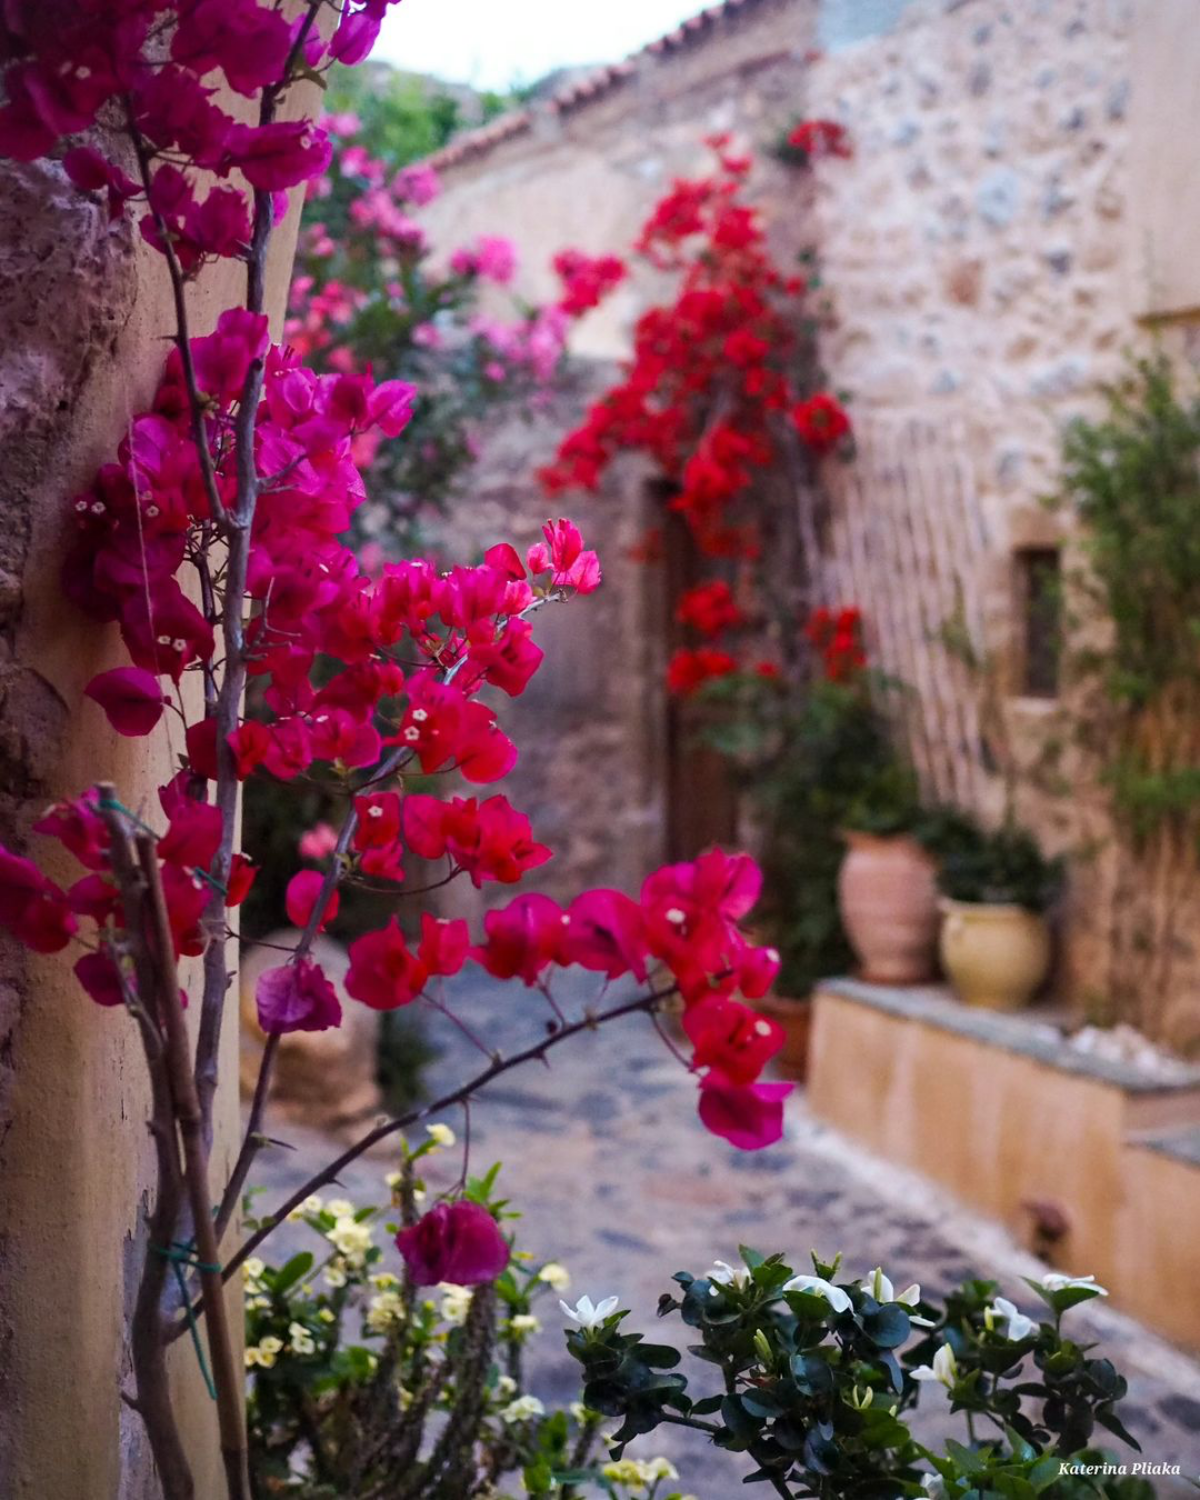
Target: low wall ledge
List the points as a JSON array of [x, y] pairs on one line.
[[1030, 1035]]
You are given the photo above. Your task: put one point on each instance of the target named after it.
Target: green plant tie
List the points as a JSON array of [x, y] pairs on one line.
[[181, 1255], [110, 804]]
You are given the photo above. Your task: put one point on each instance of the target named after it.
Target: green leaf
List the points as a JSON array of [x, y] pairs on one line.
[[293, 1271]]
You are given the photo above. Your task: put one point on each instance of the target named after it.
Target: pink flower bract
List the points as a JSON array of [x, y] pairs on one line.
[[457, 1242]]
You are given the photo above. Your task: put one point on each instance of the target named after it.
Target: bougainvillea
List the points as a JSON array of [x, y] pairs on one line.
[[371, 293], [215, 543], [722, 383]]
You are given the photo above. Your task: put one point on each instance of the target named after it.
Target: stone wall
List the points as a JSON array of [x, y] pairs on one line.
[[84, 307], [1014, 210]]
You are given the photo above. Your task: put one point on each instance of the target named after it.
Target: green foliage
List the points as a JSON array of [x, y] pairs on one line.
[[835, 767], [1004, 868], [814, 1380], [404, 117], [365, 1385], [1134, 478]]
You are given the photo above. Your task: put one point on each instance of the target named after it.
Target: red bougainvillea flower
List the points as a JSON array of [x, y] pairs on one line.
[[837, 639], [709, 608], [303, 893], [820, 138], [688, 671], [821, 421], [731, 1038], [130, 697], [456, 1242], [747, 1116], [297, 997]]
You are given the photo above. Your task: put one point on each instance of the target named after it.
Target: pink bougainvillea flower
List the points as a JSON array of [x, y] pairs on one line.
[[297, 997], [79, 827], [731, 1038], [444, 944], [130, 697], [456, 1242], [279, 155], [384, 972], [747, 1116], [32, 907], [523, 938], [320, 840], [98, 975], [606, 933], [223, 359], [303, 893]]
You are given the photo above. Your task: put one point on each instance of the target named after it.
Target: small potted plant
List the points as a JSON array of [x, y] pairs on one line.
[[995, 941]]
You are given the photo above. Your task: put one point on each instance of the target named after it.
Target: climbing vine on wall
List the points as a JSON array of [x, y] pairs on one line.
[[1134, 478]]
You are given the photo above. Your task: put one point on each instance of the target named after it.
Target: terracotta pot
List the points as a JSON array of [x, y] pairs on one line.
[[795, 1016], [887, 896], [996, 956]]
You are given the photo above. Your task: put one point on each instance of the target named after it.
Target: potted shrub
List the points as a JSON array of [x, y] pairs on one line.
[[833, 745], [995, 941]]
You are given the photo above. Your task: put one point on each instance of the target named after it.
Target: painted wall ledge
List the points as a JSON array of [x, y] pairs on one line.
[[1031, 1033], [1003, 1113]]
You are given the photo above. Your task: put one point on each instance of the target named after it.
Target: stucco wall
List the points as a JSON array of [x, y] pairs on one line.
[[84, 307], [1018, 202]]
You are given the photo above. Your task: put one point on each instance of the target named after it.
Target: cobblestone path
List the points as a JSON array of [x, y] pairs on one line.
[[616, 1178]]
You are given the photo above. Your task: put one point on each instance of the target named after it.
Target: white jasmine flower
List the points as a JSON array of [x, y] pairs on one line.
[[524, 1323], [342, 1208], [1055, 1281], [944, 1368], [579, 1412], [384, 1280], [456, 1303], [588, 1315], [1018, 1325], [726, 1275], [394, 1179], [264, 1353], [353, 1240], [934, 1486], [441, 1135], [506, 1387], [385, 1311], [253, 1268], [818, 1286], [326, 1315], [335, 1274], [556, 1277], [522, 1409], [300, 1340]]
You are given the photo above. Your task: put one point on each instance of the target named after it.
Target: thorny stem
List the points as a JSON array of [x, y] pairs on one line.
[[147, 1347], [501, 1065], [233, 684], [227, 1376]]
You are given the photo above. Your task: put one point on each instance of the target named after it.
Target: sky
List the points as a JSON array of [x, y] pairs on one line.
[[495, 43]]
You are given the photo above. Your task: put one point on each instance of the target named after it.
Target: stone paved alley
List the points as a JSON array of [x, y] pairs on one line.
[[616, 1178]]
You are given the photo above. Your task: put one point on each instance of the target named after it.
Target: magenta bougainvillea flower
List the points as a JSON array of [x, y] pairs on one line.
[[457, 1242], [297, 997]]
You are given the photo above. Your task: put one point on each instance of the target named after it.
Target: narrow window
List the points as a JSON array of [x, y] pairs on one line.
[[1039, 604]]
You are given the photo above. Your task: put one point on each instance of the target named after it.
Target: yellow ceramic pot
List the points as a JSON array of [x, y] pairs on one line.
[[995, 956], [887, 897]]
